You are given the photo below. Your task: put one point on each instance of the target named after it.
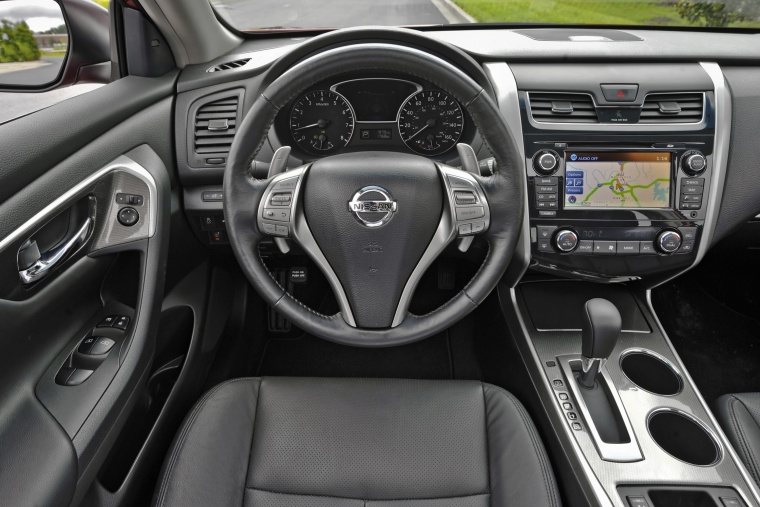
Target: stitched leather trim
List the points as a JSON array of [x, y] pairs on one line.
[[746, 447], [308, 495]]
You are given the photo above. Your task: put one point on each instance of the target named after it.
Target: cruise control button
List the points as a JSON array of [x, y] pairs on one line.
[[628, 247], [605, 247], [463, 197], [470, 213]]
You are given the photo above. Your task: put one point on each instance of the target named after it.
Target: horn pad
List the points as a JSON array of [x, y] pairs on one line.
[[373, 215]]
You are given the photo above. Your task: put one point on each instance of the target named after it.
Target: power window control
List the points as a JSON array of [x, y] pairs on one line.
[[121, 323], [78, 377], [63, 375], [637, 501], [108, 321], [86, 345], [101, 346], [731, 502]]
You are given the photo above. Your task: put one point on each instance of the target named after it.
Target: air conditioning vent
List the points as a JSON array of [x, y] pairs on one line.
[[229, 65], [562, 108], [215, 126], [673, 108]]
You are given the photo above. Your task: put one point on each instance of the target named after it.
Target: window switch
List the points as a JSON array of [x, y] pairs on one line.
[[121, 323], [63, 375], [86, 345], [102, 346], [107, 322], [78, 376]]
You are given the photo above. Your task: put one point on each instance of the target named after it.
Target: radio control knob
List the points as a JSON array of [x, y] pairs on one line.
[[668, 241], [565, 240], [693, 163], [546, 162]]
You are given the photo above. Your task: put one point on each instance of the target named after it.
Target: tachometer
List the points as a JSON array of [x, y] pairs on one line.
[[430, 122], [322, 122]]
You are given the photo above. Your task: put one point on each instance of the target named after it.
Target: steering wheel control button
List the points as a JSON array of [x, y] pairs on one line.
[[278, 215], [281, 230], [628, 247], [281, 199], [86, 345], [128, 216], [620, 92], [605, 247], [693, 163], [546, 162], [107, 321], [470, 213], [457, 182], [269, 228], [286, 184], [478, 227], [121, 323], [668, 241], [566, 240], [464, 198], [465, 229], [102, 346], [78, 377]]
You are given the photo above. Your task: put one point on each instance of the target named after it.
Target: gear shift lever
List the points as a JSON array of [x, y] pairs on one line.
[[601, 328]]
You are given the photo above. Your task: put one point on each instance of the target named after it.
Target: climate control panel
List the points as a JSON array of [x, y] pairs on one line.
[[615, 241]]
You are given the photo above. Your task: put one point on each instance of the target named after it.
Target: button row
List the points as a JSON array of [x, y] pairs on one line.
[[547, 195], [468, 206], [135, 200], [276, 216], [96, 346], [692, 190], [117, 321]]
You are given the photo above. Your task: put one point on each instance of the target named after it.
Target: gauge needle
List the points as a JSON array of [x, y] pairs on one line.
[[428, 124], [320, 123]]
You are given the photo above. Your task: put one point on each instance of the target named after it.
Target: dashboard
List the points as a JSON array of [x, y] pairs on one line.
[[391, 113]]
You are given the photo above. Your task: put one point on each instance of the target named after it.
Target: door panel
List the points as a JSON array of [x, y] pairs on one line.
[[68, 169]]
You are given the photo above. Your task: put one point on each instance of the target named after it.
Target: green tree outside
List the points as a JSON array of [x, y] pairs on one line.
[[17, 43]]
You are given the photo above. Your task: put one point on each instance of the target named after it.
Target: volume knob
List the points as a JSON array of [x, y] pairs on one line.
[[693, 163], [546, 162], [668, 241], [566, 240]]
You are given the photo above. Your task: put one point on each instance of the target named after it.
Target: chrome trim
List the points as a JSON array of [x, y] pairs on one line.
[[121, 163], [651, 353], [621, 453], [508, 99], [444, 234], [357, 207], [419, 87], [543, 384], [718, 431], [47, 261], [301, 234], [650, 127], [696, 421]]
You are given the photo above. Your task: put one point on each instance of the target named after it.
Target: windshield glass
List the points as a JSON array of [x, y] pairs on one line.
[[254, 15]]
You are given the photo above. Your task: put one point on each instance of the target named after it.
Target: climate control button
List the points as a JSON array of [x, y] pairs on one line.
[[668, 241], [566, 240]]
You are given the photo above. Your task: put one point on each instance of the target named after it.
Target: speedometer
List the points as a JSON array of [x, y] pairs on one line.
[[321, 122], [430, 122]]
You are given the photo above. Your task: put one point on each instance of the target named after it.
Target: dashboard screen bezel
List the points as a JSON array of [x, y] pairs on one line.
[[621, 155]]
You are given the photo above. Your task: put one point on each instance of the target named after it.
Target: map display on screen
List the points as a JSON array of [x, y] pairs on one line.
[[617, 180]]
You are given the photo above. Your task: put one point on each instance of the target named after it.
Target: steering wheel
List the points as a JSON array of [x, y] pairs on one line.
[[374, 221]]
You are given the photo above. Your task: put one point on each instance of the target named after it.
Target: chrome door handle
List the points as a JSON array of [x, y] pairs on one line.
[[47, 261]]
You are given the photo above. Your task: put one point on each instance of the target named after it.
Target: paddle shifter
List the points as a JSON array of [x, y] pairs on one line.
[[601, 328]]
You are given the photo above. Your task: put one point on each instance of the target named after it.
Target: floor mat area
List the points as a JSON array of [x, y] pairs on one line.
[[719, 345]]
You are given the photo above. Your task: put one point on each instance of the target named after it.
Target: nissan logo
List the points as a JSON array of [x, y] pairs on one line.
[[374, 211]]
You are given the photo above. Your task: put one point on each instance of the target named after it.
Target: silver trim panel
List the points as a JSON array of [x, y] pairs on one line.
[[696, 421], [651, 353], [121, 163]]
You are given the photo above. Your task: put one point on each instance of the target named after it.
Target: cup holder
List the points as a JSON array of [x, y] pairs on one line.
[[651, 372], [684, 437]]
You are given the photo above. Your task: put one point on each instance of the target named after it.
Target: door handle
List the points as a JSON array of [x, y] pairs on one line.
[[47, 261]]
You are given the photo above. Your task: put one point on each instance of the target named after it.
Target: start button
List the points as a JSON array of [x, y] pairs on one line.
[[620, 92]]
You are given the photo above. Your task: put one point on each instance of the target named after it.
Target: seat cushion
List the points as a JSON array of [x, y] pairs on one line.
[[356, 442], [739, 415]]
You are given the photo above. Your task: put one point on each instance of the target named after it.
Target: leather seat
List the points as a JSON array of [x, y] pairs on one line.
[[300, 442], [739, 415]]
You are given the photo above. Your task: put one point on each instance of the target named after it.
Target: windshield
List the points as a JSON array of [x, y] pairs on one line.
[[255, 15]]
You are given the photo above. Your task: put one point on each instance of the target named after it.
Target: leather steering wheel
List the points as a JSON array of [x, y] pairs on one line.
[[374, 221]]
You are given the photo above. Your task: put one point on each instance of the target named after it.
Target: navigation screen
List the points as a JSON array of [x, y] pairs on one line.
[[617, 180]]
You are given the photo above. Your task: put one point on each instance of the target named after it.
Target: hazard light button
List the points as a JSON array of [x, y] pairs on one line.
[[620, 92]]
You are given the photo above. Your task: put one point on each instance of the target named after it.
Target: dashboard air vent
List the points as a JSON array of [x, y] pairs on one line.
[[562, 108], [230, 65], [673, 108], [215, 124]]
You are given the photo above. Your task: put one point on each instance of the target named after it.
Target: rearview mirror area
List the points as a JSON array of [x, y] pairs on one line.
[[34, 42]]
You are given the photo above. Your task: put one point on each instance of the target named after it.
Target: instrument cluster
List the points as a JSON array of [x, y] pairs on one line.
[[379, 113]]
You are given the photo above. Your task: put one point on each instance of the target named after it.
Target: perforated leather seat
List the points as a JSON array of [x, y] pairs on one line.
[[353, 442], [739, 415]]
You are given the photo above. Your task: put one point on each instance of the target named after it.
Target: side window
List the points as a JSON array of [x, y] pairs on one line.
[[41, 52]]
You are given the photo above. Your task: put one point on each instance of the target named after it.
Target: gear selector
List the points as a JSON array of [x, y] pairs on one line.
[[600, 331]]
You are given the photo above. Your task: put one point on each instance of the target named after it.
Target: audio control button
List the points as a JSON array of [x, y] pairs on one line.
[[693, 163], [668, 241], [566, 240], [546, 162]]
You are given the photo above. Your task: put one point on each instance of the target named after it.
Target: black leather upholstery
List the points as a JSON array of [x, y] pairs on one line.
[[357, 442], [739, 415]]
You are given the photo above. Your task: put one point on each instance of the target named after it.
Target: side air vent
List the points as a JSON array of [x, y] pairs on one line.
[[215, 124], [562, 108], [229, 65], [673, 108]]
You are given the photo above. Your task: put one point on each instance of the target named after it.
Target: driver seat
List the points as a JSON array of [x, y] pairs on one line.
[[300, 442]]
